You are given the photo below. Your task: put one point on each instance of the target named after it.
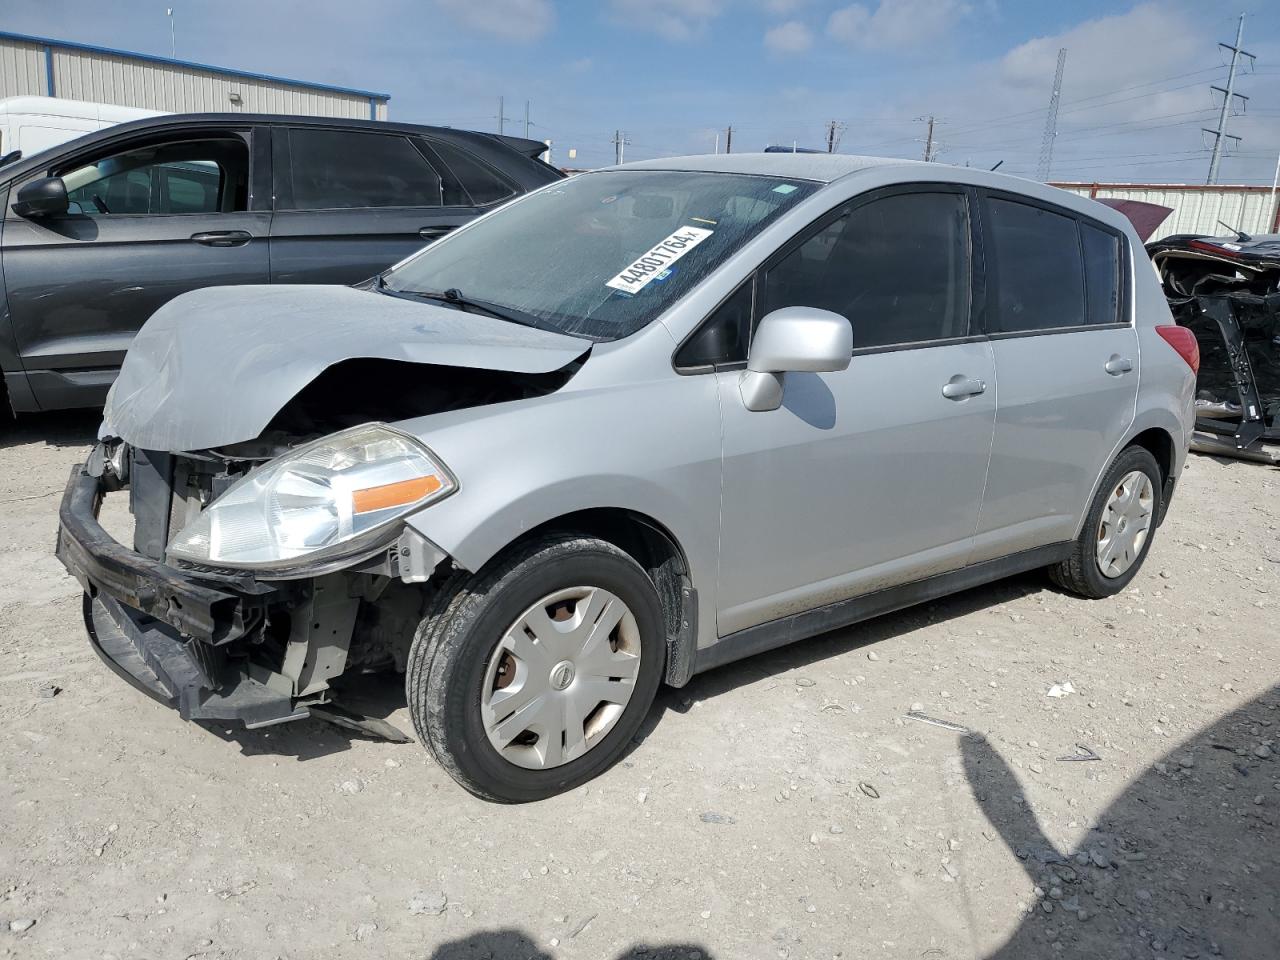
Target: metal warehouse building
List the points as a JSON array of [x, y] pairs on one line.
[[1197, 208], [40, 66]]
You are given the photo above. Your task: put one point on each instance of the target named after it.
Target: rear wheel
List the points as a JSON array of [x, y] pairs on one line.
[[1118, 529], [531, 677]]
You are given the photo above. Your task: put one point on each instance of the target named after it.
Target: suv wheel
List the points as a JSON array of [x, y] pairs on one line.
[[531, 677], [1118, 529]]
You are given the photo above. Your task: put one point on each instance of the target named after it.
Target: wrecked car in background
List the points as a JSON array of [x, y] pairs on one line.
[[630, 427], [1226, 290]]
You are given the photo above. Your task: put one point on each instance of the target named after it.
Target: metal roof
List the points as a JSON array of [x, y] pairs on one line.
[[189, 64], [823, 167]]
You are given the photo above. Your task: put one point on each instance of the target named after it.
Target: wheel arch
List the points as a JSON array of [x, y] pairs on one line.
[[1157, 436], [654, 547]]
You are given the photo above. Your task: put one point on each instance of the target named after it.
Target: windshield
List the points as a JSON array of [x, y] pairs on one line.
[[602, 254]]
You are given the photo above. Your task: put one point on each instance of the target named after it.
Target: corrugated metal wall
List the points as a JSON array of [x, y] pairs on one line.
[[104, 77], [80, 75], [1196, 209], [21, 69]]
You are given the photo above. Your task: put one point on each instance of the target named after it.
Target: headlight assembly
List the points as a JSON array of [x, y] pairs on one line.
[[331, 498]]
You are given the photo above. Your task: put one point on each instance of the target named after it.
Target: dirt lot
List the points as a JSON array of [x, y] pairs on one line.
[[782, 807]]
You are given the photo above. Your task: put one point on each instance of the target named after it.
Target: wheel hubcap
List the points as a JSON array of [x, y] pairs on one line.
[[560, 677], [1126, 521]]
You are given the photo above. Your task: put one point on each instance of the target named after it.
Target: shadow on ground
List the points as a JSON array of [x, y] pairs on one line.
[[65, 428], [516, 945], [1184, 863]]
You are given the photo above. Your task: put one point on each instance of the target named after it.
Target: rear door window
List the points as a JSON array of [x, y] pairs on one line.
[[481, 182], [1038, 267], [336, 169], [1101, 273], [896, 267]]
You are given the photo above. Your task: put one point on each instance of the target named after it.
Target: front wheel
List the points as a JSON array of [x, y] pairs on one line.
[[531, 677], [1118, 528]]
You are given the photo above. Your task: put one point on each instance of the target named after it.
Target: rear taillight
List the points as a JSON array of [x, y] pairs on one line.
[[1183, 341]]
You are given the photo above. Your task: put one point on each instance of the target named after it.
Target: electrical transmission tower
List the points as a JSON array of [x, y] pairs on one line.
[[1228, 94], [1051, 122]]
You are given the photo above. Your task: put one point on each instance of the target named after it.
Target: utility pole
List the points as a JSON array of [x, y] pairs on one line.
[[620, 141], [930, 148], [501, 116], [728, 140], [1051, 122], [526, 119], [1228, 93], [173, 43], [835, 130]]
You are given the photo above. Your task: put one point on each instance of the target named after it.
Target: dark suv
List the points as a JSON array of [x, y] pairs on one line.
[[99, 232]]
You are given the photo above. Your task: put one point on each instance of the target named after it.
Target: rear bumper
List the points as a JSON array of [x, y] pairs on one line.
[[176, 636]]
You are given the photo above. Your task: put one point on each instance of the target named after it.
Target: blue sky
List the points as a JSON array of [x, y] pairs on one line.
[[672, 74]]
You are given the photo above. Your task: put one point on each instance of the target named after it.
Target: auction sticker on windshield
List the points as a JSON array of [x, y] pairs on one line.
[[643, 271]]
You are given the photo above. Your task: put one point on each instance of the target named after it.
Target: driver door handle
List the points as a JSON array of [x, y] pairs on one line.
[[433, 233], [1118, 365], [959, 387], [222, 238]]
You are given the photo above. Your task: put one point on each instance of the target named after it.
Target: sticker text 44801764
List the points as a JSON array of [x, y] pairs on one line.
[[637, 275]]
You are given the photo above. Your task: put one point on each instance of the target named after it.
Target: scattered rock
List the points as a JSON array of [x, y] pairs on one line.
[[1262, 751], [872, 655], [351, 786], [836, 828], [365, 930], [48, 691], [21, 926], [1099, 859], [429, 904], [803, 682], [869, 790], [713, 817]]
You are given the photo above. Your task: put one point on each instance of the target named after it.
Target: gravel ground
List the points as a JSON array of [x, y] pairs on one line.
[[782, 807]]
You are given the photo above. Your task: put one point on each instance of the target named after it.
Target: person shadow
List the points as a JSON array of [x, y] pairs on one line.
[[517, 945], [1184, 863]]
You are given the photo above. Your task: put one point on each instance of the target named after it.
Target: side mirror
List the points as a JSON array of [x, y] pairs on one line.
[[793, 340], [42, 198]]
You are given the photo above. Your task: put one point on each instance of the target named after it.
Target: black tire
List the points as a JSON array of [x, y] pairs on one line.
[[1080, 572], [446, 670]]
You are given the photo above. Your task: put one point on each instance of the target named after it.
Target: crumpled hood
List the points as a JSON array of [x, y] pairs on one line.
[[213, 366]]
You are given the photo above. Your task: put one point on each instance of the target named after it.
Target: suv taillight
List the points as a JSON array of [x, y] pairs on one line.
[[1183, 341]]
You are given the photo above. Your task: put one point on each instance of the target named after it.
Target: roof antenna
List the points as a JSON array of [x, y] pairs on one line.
[[997, 166], [1241, 236]]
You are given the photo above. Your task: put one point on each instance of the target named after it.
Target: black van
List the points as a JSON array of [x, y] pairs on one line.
[[100, 231]]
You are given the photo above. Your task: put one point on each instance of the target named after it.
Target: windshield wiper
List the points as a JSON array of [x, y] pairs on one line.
[[455, 297]]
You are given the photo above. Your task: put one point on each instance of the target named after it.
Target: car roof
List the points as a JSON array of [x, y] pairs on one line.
[[822, 167]]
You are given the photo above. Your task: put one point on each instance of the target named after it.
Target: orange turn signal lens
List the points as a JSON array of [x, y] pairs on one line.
[[393, 494]]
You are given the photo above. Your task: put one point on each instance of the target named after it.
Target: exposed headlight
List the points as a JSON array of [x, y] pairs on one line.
[[330, 498]]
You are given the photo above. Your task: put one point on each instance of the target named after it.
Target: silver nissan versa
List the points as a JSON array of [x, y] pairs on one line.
[[622, 430]]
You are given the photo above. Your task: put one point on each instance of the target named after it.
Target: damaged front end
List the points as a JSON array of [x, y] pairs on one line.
[[1227, 292], [223, 644], [251, 428]]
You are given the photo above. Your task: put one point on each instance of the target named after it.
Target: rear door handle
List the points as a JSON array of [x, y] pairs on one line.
[[1118, 365], [959, 387], [222, 238], [433, 233]]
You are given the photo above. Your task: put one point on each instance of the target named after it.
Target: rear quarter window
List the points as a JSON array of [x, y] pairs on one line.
[[1101, 273]]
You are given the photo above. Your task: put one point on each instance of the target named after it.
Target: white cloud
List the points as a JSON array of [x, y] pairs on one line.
[[790, 37], [895, 24], [673, 19], [521, 20]]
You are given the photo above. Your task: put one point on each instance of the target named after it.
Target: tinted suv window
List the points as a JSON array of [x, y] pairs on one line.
[[1039, 273], [477, 179], [897, 268], [1101, 273], [194, 176], [339, 169]]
